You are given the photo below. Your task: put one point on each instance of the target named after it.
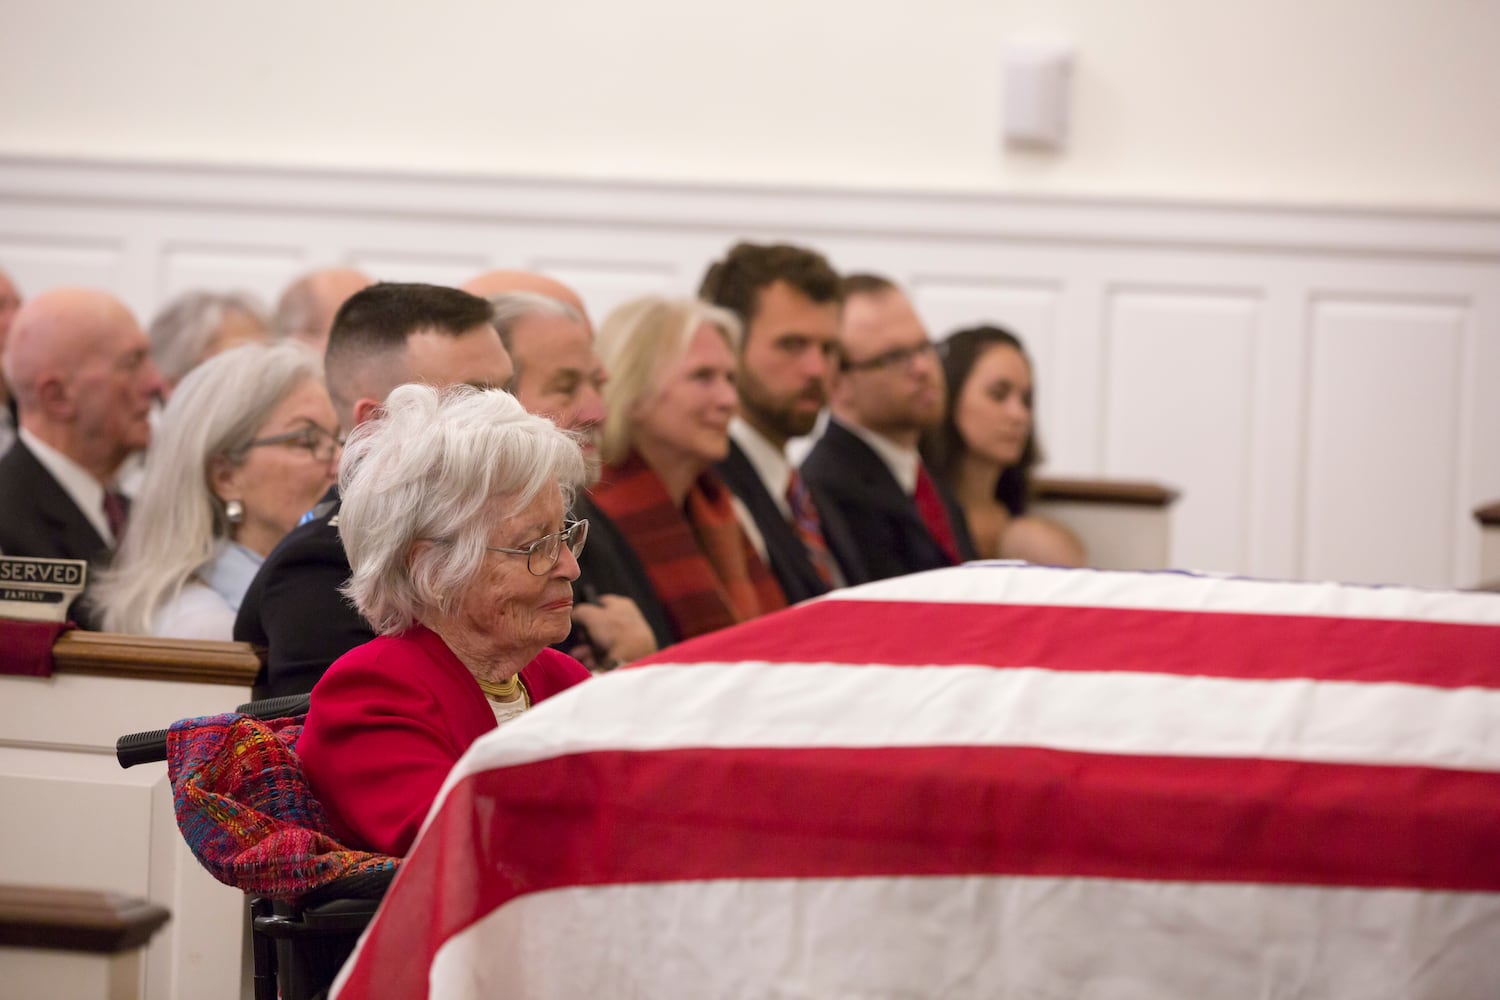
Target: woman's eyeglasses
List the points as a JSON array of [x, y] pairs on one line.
[[543, 554], [314, 439]]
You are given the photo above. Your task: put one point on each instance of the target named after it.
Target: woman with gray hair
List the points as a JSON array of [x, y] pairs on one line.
[[454, 519], [668, 404], [245, 447], [195, 326]]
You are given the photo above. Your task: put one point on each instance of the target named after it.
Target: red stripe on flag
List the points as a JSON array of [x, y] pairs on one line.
[[639, 817], [1212, 644]]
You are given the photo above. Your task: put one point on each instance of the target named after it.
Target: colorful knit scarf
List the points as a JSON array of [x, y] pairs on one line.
[[246, 811], [700, 563]]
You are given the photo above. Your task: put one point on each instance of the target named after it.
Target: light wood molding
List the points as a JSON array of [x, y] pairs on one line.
[[150, 658]]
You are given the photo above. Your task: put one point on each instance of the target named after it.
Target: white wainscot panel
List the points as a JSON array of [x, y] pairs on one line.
[[37, 262], [1177, 411], [261, 271], [605, 284], [433, 268], [1382, 449]]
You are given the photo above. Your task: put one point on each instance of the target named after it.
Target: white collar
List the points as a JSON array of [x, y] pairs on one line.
[[77, 482], [230, 571], [769, 461], [903, 462]]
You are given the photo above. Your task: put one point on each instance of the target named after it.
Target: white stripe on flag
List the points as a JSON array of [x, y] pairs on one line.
[[1010, 583], [829, 705], [976, 937]]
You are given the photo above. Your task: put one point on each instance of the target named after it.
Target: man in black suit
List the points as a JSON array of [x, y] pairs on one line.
[[384, 336], [80, 367], [788, 300], [884, 513]]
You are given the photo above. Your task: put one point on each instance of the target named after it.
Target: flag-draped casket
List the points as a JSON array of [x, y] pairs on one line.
[[989, 781]]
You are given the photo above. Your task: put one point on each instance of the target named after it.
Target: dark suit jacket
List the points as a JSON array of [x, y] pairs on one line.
[[294, 609], [787, 555], [610, 566], [39, 520], [871, 525]]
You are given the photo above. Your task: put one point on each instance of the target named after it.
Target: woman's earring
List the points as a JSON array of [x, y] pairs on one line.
[[234, 511]]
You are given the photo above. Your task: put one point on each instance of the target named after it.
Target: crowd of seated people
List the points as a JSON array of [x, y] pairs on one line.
[[604, 495]]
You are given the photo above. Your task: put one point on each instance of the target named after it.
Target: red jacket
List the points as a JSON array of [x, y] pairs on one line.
[[389, 720]]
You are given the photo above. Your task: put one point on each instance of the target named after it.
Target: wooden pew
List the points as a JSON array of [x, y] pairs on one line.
[[74, 819], [1123, 524], [1488, 517], [73, 943]]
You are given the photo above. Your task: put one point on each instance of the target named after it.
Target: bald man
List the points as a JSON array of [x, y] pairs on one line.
[[306, 309], [80, 367], [499, 282]]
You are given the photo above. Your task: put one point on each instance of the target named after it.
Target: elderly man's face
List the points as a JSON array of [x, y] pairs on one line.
[[509, 610], [113, 385], [559, 376]]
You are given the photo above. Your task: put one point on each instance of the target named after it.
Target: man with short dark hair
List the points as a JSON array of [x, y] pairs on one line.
[[886, 514], [384, 336], [788, 300], [80, 367]]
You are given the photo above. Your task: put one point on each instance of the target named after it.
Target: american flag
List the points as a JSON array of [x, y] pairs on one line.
[[988, 781]]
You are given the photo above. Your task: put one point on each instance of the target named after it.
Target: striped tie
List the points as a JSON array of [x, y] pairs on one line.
[[809, 529]]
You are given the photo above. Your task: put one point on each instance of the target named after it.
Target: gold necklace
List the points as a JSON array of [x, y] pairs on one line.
[[504, 691]]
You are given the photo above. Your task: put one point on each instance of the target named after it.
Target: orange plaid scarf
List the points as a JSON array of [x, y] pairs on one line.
[[698, 559]]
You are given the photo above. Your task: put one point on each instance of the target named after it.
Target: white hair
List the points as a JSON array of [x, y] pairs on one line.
[[177, 521], [430, 467], [185, 328]]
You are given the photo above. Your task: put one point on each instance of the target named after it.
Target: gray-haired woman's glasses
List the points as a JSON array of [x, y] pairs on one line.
[[543, 554], [318, 442]]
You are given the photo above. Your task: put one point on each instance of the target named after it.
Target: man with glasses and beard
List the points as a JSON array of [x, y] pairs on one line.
[[865, 471]]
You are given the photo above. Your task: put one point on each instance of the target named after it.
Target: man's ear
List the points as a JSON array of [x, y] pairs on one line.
[[363, 408], [55, 396]]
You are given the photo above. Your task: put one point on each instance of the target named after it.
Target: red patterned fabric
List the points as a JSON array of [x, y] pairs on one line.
[[935, 515], [246, 811], [700, 563]]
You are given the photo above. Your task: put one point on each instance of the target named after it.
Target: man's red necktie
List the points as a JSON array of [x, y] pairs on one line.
[[935, 516]]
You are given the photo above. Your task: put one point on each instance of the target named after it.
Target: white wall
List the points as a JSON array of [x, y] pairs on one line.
[[1362, 102], [1318, 384]]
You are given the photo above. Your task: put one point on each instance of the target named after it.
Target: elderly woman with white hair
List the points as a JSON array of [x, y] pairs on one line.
[[245, 447], [455, 522]]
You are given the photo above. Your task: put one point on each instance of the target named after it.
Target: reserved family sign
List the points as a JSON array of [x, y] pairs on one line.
[[40, 590]]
